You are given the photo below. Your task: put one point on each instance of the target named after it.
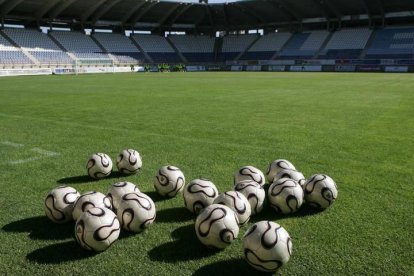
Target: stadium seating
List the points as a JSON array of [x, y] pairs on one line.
[[304, 45], [346, 44], [14, 57], [195, 48], [120, 46], [157, 47], [392, 43], [233, 45], [266, 47]]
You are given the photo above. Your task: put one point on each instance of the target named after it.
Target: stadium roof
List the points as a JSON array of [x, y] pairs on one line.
[[175, 15]]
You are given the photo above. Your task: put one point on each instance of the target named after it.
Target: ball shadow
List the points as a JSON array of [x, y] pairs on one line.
[[269, 213], [41, 228], [228, 267], [79, 179], [58, 253], [156, 197], [180, 214], [186, 247]]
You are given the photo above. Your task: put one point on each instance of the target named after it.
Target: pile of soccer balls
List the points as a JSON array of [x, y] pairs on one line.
[[267, 245]]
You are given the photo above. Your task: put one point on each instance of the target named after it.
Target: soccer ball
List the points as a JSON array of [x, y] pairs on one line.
[[129, 161], [217, 226], [238, 203], [59, 202], [254, 193], [199, 194], [99, 165], [267, 246], [169, 181], [89, 200], [249, 173], [97, 229], [285, 195], [320, 191], [136, 212], [295, 175], [117, 190], [277, 166]]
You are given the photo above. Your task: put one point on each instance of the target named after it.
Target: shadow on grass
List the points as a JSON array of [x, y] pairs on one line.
[[156, 197], [185, 247], [228, 267], [41, 228], [269, 213], [179, 214], [79, 179], [58, 253]]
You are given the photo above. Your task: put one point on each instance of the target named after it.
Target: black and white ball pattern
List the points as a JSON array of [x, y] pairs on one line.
[[277, 166], [169, 181], [249, 173], [99, 166], [129, 161], [285, 195], [136, 212], [90, 200], [118, 190], [254, 193], [199, 194], [59, 202], [97, 229], [320, 191], [238, 203], [217, 226], [267, 246], [295, 175]]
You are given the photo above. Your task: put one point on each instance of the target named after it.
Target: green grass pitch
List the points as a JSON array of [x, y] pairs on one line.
[[357, 128]]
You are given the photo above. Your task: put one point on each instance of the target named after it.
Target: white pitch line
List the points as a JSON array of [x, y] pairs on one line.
[[44, 153], [11, 144]]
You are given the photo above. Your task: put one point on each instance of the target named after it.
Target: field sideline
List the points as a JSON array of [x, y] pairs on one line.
[[357, 128]]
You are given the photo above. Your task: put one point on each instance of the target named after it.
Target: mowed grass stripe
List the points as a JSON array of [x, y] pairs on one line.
[[358, 128]]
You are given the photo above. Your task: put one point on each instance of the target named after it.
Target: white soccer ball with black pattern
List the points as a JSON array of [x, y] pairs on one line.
[[320, 191], [169, 181], [97, 229], [118, 190], [249, 173], [88, 201], [238, 203], [129, 161], [59, 202], [99, 166], [295, 175], [267, 246], [217, 226], [199, 194], [285, 195], [254, 193], [136, 212], [277, 166]]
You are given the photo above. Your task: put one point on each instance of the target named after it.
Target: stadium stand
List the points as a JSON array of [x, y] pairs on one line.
[[234, 45], [392, 43], [195, 48], [120, 46], [346, 44], [304, 45], [157, 47], [267, 46]]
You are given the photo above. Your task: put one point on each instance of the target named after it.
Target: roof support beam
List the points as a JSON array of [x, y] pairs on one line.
[[166, 16], [91, 10], [282, 5], [368, 10], [103, 10], [322, 9], [129, 14], [58, 9], [251, 12], [142, 12], [9, 6], [183, 9], [45, 8]]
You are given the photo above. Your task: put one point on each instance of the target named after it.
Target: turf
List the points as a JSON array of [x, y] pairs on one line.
[[357, 128]]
